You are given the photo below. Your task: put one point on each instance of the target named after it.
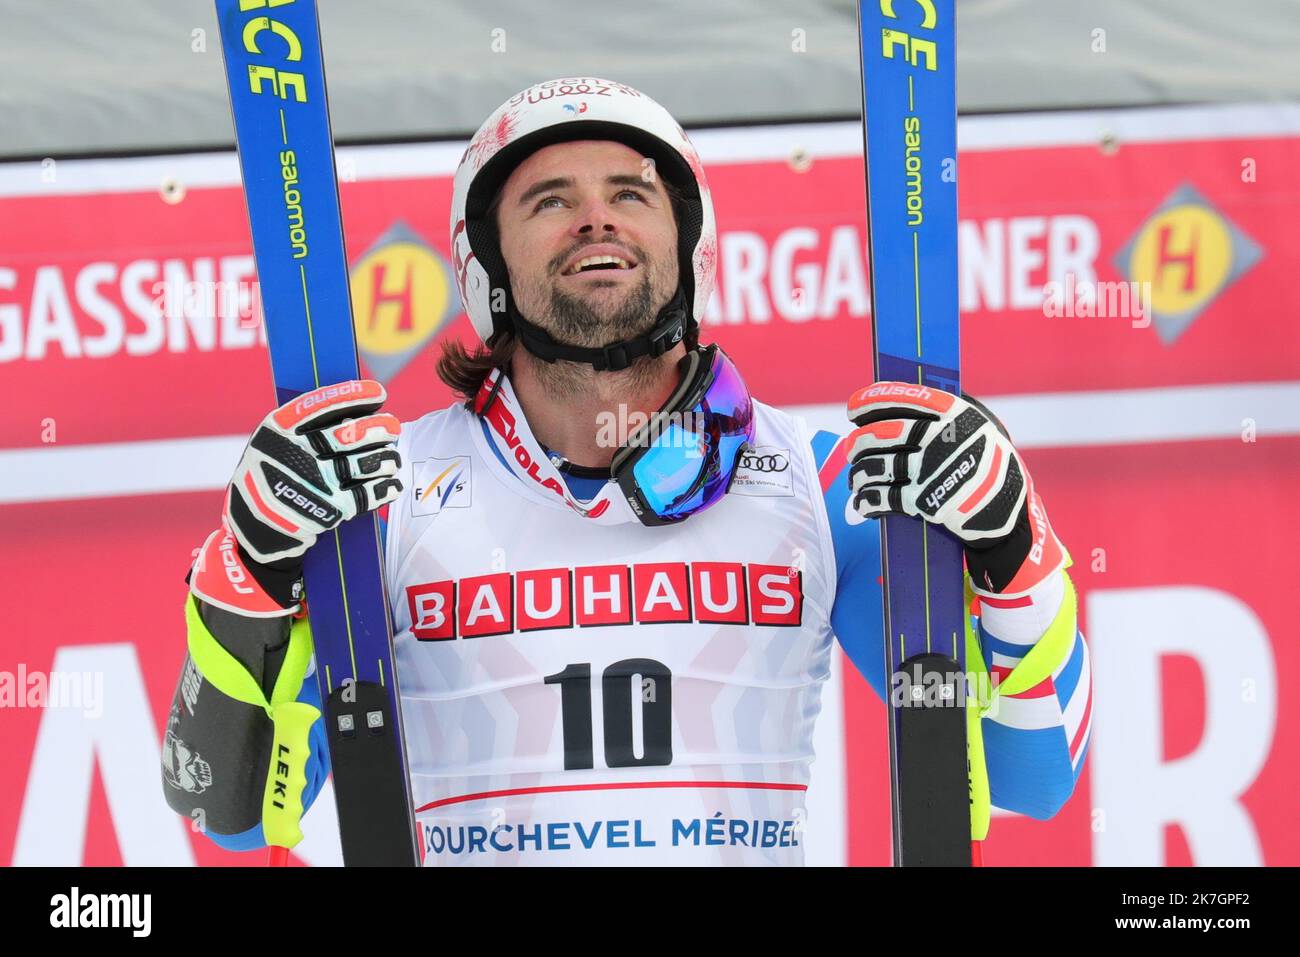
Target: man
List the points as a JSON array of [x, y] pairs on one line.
[[615, 576]]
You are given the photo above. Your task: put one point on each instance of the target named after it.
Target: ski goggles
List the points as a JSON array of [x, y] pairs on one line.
[[682, 460]]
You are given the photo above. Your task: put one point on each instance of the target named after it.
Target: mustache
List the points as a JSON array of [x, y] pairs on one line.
[[557, 262]]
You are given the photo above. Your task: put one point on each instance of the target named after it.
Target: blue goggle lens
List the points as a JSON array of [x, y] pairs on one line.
[[689, 464]]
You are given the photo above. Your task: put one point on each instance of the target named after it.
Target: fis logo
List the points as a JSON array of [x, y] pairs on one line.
[[439, 484]]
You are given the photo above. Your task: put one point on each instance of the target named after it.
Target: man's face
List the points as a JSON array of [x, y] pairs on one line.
[[571, 202]]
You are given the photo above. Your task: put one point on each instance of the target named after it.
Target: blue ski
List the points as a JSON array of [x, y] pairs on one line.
[[910, 124], [276, 77]]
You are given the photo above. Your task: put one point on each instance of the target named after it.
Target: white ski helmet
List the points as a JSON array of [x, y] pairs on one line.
[[564, 110]]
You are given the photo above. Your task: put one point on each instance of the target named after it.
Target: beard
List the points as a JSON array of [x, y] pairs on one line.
[[592, 322], [576, 322], [597, 316]]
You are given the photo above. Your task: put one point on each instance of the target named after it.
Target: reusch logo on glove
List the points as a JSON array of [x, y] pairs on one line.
[[293, 496], [938, 492], [922, 395], [911, 391], [292, 415]]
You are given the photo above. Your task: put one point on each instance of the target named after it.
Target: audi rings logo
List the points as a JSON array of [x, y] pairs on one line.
[[763, 462], [764, 470]]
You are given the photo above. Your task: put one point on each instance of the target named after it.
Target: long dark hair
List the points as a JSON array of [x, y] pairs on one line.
[[464, 370]]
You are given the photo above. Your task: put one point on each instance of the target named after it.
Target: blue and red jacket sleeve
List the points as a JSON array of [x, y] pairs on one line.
[[1036, 743], [858, 613]]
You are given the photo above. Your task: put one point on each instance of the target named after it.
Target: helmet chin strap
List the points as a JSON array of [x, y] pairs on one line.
[[669, 329]]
